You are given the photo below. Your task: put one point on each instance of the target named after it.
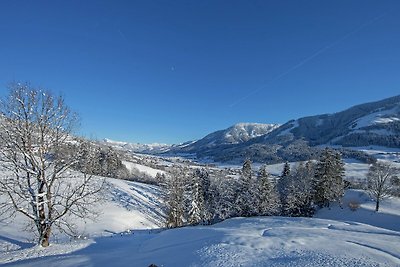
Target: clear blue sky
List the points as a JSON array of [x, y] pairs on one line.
[[172, 71]]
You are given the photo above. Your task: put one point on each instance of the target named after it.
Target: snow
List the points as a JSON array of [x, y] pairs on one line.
[[355, 171], [381, 153], [142, 168], [388, 216], [319, 122], [378, 117], [295, 124], [387, 120], [127, 205], [137, 147], [245, 131], [128, 234], [258, 241]]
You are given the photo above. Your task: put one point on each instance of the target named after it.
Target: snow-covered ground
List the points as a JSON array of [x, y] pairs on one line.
[[268, 241], [127, 205], [126, 235], [388, 216], [142, 168]]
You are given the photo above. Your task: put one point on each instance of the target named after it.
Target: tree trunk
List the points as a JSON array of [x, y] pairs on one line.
[[44, 241], [377, 204]]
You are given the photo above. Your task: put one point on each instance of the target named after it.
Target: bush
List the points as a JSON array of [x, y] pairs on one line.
[[353, 205]]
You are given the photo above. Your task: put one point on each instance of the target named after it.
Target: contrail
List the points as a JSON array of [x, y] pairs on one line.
[[310, 57]]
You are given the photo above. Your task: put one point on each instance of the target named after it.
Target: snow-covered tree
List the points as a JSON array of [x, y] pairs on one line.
[[35, 131], [286, 170], [379, 178], [328, 181], [160, 178], [245, 198], [200, 199], [298, 197], [175, 198], [224, 191], [267, 194], [284, 183]]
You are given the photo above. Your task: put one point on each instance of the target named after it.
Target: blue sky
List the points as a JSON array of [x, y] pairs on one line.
[[172, 71]]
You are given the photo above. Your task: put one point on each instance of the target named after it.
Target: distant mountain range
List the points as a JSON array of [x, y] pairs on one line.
[[375, 123], [136, 147]]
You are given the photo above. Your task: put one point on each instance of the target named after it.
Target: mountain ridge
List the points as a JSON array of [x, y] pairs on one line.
[[372, 123]]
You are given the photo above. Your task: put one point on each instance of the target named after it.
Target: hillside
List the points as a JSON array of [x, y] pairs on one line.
[[375, 123], [126, 205], [258, 241]]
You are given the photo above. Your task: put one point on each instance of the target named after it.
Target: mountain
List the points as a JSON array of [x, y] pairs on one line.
[[236, 134], [375, 123]]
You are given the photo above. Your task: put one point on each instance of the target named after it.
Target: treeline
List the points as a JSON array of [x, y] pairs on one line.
[[96, 159], [197, 197]]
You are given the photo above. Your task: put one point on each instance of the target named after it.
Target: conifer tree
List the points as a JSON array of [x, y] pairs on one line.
[[298, 197], [175, 198], [328, 182], [268, 198], [199, 194], [283, 185], [225, 194], [245, 197], [286, 170]]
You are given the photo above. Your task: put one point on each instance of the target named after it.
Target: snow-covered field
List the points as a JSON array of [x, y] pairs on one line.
[[268, 241]]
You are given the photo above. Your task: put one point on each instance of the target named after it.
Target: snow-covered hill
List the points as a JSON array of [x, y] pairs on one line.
[[268, 241], [126, 205], [236, 134], [128, 234]]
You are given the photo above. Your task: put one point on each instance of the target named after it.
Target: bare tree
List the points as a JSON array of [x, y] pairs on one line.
[[379, 181], [35, 133]]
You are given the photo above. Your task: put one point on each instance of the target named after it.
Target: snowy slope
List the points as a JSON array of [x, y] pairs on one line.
[[371, 123], [142, 168], [378, 117], [268, 241], [388, 216], [336, 237], [243, 132], [128, 234], [127, 205]]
